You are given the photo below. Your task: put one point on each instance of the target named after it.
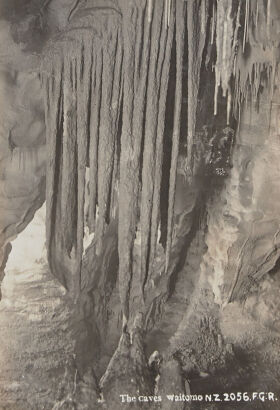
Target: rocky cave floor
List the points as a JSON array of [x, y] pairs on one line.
[[35, 337], [37, 333]]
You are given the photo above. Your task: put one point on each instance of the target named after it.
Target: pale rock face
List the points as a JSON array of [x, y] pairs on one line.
[[58, 12], [28, 249], [243, 233], [22, 139]]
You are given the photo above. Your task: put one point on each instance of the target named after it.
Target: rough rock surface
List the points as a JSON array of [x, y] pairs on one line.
[[36, 339], [22, 141]]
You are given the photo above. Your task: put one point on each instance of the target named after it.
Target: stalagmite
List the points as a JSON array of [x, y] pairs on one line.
[[180, 31]]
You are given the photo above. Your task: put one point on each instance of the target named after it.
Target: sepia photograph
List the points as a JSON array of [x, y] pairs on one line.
[[139, 204]]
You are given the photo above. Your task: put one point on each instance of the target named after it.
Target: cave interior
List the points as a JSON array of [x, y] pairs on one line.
[[142, 137]]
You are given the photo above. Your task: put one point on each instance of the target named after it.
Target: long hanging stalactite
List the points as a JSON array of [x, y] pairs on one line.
[[110, 100], [94, 136], [180, 32], [79, 143], [84, 69], [197, 12], [164, 75], [131, 138], [152, 146], [52, 84], [106, 86]]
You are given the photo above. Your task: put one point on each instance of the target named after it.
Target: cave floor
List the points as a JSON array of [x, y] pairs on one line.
[[37, 344], [35, 339]]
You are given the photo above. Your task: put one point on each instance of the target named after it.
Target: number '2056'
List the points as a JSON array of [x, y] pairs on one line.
[[246, 397]]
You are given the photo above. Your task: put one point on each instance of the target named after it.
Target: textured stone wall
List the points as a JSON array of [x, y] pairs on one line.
[[243, 219], [22, 140]]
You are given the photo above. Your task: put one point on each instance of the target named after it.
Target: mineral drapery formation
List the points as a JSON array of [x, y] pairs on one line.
[[106, 79], [151, 129]]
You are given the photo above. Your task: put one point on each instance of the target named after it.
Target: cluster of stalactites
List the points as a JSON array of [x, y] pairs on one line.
[[90, 81], [95, 81], [82, 78], [246, 37], [151, 31], [147, 56]]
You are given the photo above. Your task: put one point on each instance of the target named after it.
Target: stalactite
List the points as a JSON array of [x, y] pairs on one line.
[[118, 72], [196, 42], [135, 85], [84, 69], [166, 7], [24, 158], [114, 189], [129, 163], [180, 32], [150, 6], [31, 158], [248, 73], [111, 87], [219, 46], [97, 80], [268, 20], [257, 15], [159, 35], [229, 103], [52, 86], [214, 22], [19, 159], [149, 147], [115, 177], [235, 38], [159, 141], [246, 24], [117, 100], [69, 157], [106, 142], [169, 12], [227, 32]]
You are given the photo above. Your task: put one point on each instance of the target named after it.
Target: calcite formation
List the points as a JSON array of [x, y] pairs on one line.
[[160, 122]]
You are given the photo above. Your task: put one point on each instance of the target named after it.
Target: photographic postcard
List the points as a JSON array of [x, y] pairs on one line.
[[139, 204]]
